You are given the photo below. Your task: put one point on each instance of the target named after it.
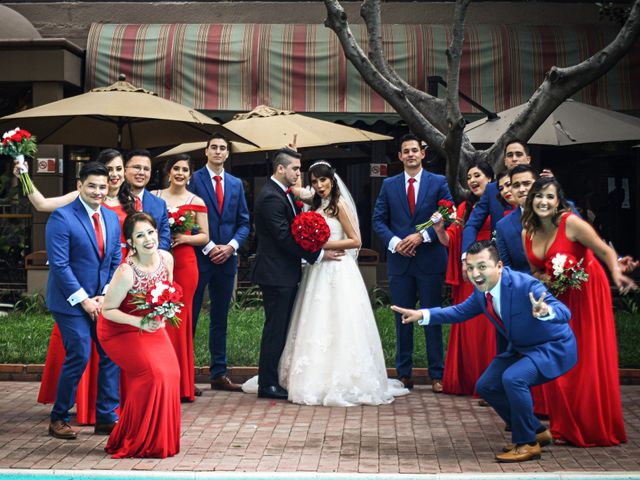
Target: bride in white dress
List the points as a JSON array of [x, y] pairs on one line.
[[333, 355]]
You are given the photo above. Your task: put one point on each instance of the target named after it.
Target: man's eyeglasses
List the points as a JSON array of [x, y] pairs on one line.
[[140, 168]]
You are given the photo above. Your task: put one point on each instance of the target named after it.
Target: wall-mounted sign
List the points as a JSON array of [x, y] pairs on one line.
[[45, 165], [377, 169]]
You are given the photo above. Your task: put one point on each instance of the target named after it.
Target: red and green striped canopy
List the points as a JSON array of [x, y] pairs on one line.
[[302, 67]]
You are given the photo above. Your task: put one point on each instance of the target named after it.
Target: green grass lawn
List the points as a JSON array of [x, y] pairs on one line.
[[24, 338]]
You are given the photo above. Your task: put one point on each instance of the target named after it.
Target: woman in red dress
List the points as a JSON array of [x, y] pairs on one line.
[[120, 201], [179, 200], [149, 424], [471, 344], [585, 407]]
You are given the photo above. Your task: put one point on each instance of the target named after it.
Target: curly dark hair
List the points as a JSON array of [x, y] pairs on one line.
[[323, 169]]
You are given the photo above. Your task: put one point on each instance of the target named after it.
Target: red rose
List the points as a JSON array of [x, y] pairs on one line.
[[310, 231], [299, 204]]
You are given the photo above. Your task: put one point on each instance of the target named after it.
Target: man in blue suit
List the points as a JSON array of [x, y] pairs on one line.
[[416, 261], [138, 174], [515, 153], [541, 343], [229, 227], [509, 228], [83, 246]]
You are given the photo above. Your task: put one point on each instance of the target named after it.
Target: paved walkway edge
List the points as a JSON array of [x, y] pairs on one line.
[[126, 474]]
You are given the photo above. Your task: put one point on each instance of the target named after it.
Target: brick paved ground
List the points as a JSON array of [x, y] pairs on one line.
[[419, 433]]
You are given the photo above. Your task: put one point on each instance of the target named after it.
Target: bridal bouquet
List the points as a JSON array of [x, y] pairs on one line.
[[310, 231], [446, 208], [180, 222], [161, 303], [565, 272], [17, 144]]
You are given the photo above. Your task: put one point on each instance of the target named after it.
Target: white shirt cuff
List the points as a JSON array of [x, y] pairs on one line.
[[393, 243], [319, 259], [426, 316], [104, 290], [426, 238], [234, 244], [548, 316], [77, 297], [208, 247]]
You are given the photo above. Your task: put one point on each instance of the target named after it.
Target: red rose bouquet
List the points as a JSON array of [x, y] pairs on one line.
[[446, 208], [180, 222], [565, 273], [17, 144], [310, 231], [161, 303]]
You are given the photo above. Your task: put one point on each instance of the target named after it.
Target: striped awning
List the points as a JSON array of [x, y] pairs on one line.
[[302, 67]]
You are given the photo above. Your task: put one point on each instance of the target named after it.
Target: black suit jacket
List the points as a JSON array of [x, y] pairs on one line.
[[278, 257]]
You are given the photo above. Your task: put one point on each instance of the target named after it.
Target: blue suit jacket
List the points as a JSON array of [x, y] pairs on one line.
[[157, 208], [391, 218], [74, 261], [509, 242], [551, 344], [233, 223], [487, 205]]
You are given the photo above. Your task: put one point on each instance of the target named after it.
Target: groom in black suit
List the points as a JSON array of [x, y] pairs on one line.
[[277, 266]]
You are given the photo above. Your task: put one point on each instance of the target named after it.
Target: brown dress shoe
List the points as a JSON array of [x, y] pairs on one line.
[[407, 382], [436, 385], [104, 428], [521, 453], [544, 438], [225, 383], [61, 429]]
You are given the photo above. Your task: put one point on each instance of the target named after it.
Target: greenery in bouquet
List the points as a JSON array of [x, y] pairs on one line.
[[161, 303], [565, 272], [182, 221], [446, 208]]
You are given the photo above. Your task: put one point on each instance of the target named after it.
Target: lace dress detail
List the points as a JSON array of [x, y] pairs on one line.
[[142, 280], [333, 354]]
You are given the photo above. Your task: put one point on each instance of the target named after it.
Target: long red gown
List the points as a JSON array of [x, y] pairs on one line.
[[584, 404], [186, 275], [88, 385], [472, 344], [149, 424]]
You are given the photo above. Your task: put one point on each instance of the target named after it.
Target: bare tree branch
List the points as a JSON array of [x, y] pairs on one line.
[[560, 83], [337, 21], [431, 107], [455, 120]]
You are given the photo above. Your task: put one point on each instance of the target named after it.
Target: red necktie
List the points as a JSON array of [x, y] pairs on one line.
[[411, 196], [138, 205], [99, 237], [219, 192], [492, 311]]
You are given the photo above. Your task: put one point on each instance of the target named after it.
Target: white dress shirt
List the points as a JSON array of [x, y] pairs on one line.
[[81, 295], [209, 246], [393, 243]]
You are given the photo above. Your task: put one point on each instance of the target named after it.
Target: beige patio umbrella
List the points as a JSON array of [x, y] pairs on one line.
[[572, 123], [120, 115], [271, 129]]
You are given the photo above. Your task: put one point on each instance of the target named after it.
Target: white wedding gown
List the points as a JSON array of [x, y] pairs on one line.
[[333, 355]]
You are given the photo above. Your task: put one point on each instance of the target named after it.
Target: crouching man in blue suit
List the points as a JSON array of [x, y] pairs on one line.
[[541, 344], [83, 246]]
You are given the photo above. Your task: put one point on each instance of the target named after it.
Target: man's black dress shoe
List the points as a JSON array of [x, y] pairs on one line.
[[104, 428], [274, 391]]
